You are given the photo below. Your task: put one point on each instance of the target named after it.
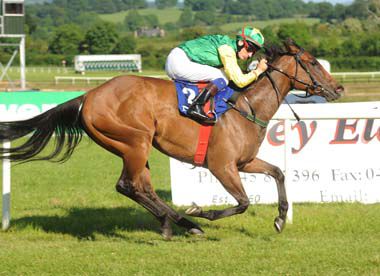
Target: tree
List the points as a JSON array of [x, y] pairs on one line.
[[134, 20], [351, 26], [57, 16], [340, 12], [329, 46], [162, 4], [299, 31], [205, 17], [359, 9], [191, 33], [66, 40], [125, 45], [186, 18], [270, 35], [324, 11], [201, 5], [100, 39], [86, 20], [352, 47], [151, 20], [371, 45], [135, 4], [104, 6], [31, 22]]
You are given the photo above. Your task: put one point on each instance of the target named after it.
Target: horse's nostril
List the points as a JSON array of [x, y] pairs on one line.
[[339, 89]]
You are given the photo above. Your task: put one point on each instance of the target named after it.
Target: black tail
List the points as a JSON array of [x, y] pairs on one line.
[[64, 121]]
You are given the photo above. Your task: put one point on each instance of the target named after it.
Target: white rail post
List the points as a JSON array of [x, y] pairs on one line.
[[22, 63], [6, 190], [287, 166]]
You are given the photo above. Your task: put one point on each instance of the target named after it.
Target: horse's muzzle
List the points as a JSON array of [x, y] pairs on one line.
[[332, 95], [339, 89]]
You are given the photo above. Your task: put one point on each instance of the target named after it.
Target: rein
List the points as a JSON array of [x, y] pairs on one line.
[[278, 95], [314, 86], [250, 117]]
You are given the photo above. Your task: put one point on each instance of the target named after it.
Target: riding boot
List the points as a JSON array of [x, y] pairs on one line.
[[196, 111]]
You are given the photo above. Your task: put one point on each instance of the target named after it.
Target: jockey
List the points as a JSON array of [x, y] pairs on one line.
[[213, 58]]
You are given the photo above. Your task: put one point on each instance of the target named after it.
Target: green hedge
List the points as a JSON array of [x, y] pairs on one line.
[[47, 59], [354, 63]]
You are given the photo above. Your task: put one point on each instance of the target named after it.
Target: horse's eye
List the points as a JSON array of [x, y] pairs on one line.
[[314, 62]]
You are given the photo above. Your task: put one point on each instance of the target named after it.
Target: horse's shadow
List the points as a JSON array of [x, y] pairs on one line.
[[86, 223]]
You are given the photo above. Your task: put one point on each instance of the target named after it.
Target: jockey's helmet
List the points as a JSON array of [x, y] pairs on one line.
[[249, 36]]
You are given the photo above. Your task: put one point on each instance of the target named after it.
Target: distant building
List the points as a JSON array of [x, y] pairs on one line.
[[150, 32]]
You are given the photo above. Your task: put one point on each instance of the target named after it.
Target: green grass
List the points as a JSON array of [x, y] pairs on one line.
[[67, 219], [164, 16]]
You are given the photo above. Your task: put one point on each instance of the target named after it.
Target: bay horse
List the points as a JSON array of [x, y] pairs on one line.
[[129, 114]]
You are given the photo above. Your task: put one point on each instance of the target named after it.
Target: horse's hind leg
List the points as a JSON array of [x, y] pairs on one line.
[[136, 189], [230, 179], [260, 166], [173, 215], [142, 192], [133, 146], [191, 227]]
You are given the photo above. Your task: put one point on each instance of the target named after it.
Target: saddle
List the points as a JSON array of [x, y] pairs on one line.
[[187, 91]]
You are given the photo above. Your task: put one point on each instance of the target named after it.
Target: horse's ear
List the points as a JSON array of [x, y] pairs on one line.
[[290, 45]]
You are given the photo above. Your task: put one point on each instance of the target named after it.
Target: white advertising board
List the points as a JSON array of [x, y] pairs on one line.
[[328, 159]]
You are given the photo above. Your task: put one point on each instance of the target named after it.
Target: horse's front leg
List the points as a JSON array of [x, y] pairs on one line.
[[229, 176], [260, 166]]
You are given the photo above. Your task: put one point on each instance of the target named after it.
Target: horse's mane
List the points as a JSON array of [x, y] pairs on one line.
[[272, 52]]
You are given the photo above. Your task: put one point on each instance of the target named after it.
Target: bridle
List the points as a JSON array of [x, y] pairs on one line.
[[313, 86]]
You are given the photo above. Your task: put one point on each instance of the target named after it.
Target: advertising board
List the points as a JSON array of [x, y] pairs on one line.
[[326, 159]]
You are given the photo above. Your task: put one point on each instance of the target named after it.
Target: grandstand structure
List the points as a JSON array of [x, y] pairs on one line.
[[12, 19], [85, 63]]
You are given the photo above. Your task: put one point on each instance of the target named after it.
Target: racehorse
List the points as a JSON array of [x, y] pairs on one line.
[[129, 114]]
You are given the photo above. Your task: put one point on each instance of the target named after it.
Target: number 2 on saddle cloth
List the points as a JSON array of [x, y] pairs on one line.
[[187, 91]]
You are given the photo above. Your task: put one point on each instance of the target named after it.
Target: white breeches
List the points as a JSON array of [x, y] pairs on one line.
[[178, 66]]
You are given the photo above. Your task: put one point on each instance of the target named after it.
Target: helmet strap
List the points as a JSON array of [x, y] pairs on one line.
[[246, 46]]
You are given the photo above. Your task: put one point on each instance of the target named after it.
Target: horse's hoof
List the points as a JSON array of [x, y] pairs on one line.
[[194, 211], [196, 231], [167, 234], [279, 224]]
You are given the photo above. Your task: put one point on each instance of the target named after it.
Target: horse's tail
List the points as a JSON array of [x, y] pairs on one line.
[[64, 121]]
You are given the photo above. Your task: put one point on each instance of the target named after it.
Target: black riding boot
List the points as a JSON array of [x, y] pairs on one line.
[[196, 111]]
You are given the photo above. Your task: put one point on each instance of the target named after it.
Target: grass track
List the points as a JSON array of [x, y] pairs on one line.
[[67, 219]]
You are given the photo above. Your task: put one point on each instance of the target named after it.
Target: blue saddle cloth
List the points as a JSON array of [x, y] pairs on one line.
[[187, 91]]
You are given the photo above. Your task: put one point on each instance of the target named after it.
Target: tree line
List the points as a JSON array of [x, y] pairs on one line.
[[258, 9], [64, 28]]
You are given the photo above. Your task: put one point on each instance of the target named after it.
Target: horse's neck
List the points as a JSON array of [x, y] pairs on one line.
[[263, 96]]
